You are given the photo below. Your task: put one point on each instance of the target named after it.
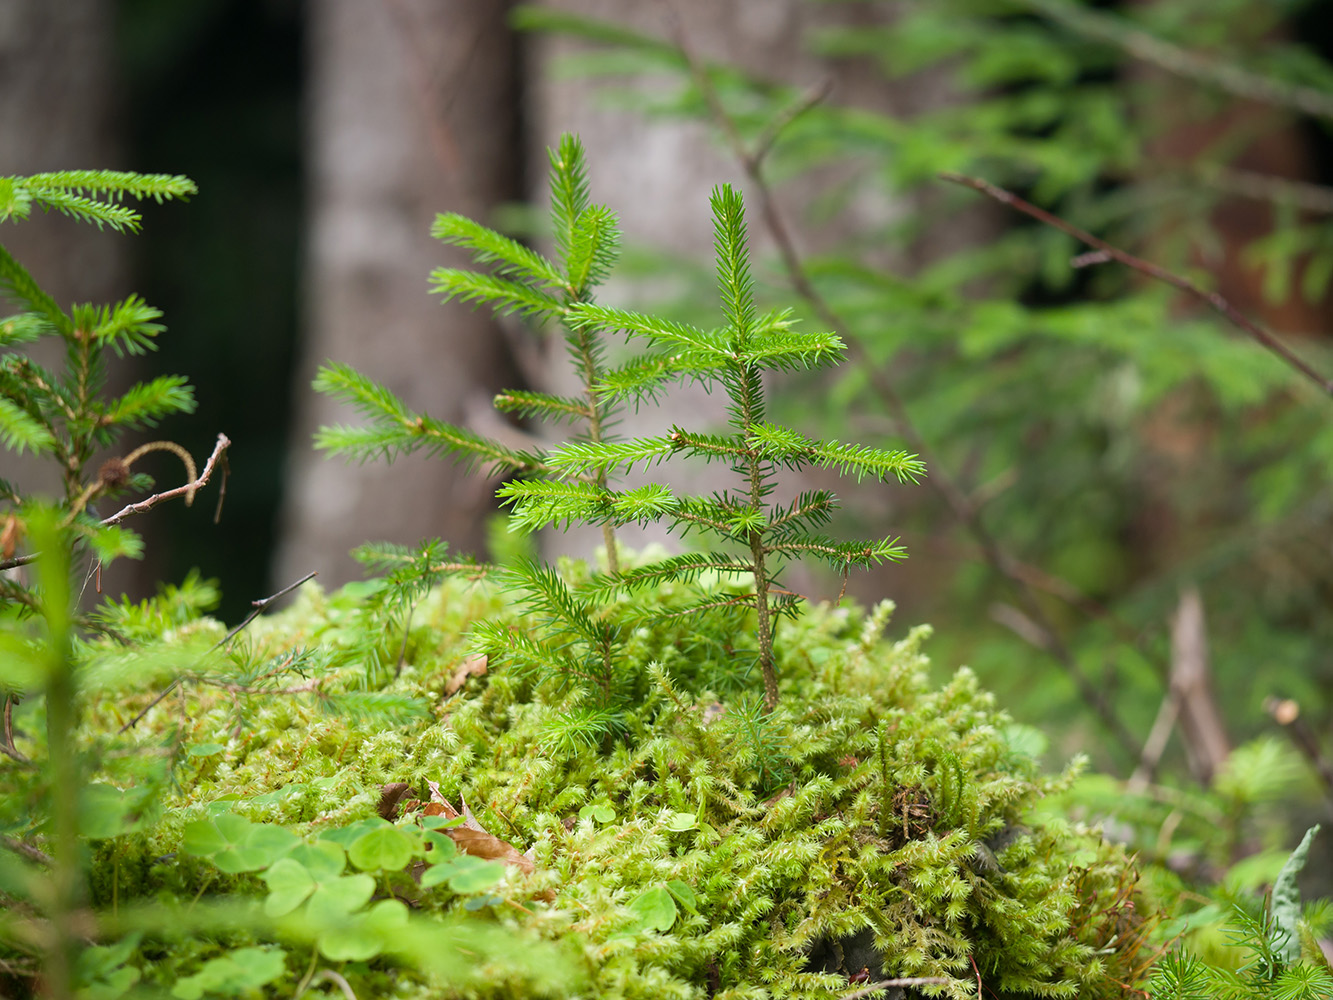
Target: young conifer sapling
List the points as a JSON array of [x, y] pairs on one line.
[[748, 531]]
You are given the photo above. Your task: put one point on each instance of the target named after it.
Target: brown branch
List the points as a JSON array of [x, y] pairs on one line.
[[8, 747], [1308, 197], [259, 608], [1287, 714], [27, 850], [188, 490], [1105, 251], [143, 506], [958, 503]]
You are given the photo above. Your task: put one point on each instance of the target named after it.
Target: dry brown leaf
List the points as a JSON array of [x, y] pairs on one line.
[[481, 844], [473, 666], [10, 535], [392, 797]]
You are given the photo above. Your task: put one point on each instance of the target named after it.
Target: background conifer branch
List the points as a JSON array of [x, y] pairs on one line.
[[1264, 337]]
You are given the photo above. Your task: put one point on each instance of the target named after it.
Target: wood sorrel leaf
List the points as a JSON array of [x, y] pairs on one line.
[[289, 885], [654, 909], [386, 848]]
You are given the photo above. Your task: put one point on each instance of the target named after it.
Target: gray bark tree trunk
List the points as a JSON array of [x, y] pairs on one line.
[[413, 110], [58, 112]]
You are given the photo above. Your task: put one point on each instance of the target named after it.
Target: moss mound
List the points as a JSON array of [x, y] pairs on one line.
[[874, 827]]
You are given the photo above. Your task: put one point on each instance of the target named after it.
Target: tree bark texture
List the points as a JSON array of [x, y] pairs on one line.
[[413, 110], [58, 111]]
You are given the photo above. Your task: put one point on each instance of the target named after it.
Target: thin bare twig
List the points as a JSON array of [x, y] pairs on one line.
[[938, 478], [885, 984], [1267, 188], [259, 608], [1107, 251], [189, 489], [27, 850], [8, 747]]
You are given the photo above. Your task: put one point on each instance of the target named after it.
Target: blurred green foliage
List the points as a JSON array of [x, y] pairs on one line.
[[1119, 443]]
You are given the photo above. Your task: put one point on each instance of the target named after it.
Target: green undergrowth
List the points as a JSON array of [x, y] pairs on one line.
[[875, 825]]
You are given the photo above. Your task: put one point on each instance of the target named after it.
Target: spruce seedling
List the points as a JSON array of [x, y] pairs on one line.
[[573, 482], [758, 536], [520, 280], [573, 645]]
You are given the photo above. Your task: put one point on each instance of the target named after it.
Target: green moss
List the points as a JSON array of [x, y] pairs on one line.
[[874, 820]]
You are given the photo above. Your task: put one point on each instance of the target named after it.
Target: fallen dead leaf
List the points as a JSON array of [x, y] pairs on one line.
[[9, 536], [472, 837], [392, 796], [481, 844], [473, 666]]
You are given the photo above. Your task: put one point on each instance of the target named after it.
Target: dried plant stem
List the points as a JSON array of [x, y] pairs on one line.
[[259, 608], [943, 483], [1213, 299], [188, 490], [27, 850]]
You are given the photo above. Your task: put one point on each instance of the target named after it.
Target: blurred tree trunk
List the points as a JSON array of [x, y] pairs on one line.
[[413, 110], [57, 112]]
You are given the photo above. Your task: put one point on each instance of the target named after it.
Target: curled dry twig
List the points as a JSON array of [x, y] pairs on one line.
[[188, 490], [143, 506]]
